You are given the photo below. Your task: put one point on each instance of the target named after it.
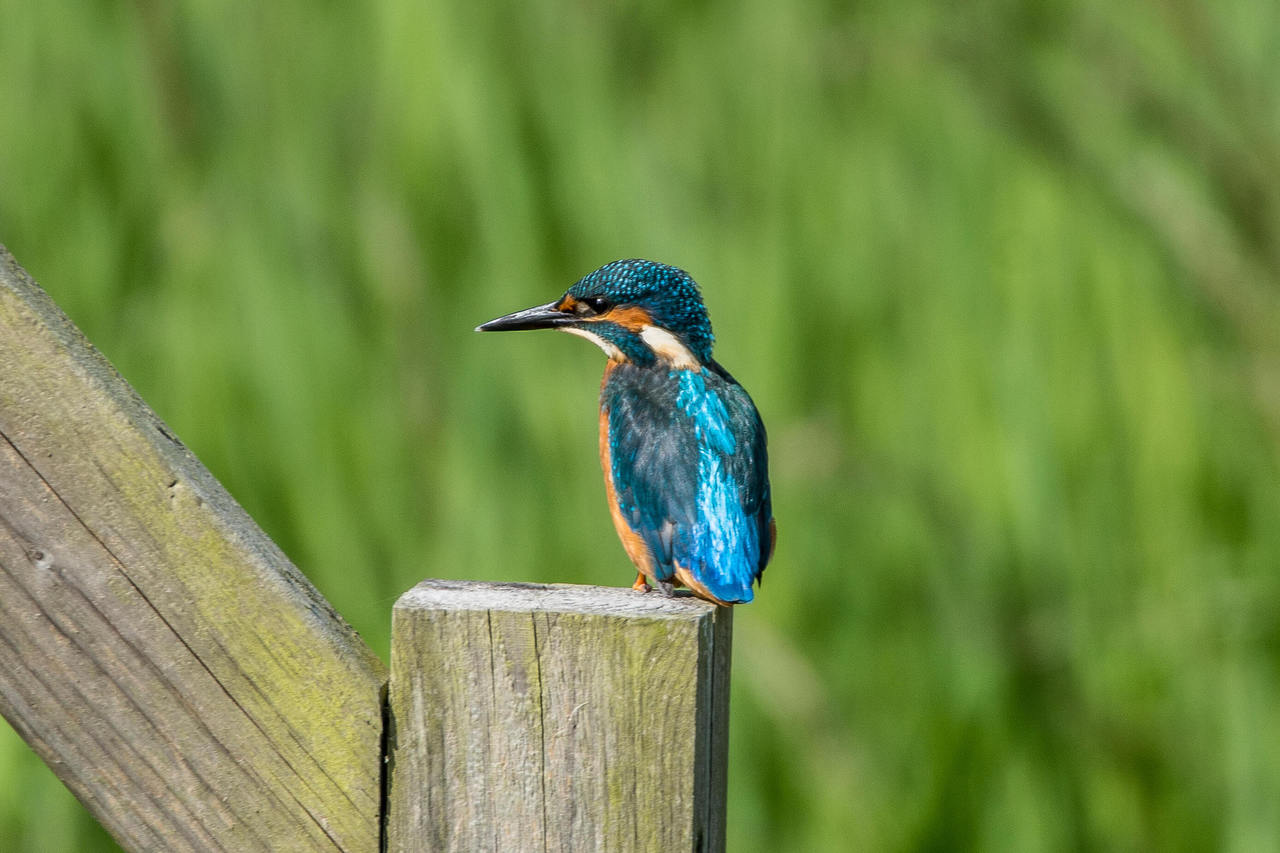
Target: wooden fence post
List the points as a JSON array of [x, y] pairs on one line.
[[556, 718], [170, 664]]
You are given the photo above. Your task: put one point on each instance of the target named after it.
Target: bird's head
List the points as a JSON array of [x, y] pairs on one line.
[[637, 311]]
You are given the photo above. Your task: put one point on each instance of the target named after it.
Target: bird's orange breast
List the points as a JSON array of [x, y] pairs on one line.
[[632, 542]]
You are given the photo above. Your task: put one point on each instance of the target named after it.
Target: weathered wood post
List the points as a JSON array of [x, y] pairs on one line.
[[565, 718]]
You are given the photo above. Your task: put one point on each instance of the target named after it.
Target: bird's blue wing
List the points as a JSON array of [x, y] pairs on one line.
[[653, 461], [750, 470], [690, 472]]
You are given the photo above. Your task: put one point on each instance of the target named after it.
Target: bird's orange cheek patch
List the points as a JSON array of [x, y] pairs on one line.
[[631, 318]]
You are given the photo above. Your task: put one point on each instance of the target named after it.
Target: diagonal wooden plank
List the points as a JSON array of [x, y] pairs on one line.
[[162, 655]]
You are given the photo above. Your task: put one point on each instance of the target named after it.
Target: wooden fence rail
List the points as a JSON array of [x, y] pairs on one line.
[[196, 692], [156, 649]]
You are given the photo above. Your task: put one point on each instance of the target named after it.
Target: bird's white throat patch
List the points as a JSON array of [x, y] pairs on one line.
[[669, 348], [666, 346], [609, 349]]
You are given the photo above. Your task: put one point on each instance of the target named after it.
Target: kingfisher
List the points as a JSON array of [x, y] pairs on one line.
[[683, 449]]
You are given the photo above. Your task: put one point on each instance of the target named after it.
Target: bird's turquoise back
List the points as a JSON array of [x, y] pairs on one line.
[[689, 469]]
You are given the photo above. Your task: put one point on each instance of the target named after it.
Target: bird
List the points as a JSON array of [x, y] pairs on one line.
[[682, 446]]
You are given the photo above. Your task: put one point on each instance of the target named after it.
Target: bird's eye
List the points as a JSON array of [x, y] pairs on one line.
[[596, 304]]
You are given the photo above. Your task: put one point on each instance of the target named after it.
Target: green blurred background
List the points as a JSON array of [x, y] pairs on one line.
[[1002, 277]]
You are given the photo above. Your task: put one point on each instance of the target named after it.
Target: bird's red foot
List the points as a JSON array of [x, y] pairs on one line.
[[641, 585]]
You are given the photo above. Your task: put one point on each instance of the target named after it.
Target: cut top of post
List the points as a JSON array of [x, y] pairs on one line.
[[553, 598]]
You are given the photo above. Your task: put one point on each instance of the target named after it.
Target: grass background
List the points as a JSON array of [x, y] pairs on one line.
[[1003, 278]]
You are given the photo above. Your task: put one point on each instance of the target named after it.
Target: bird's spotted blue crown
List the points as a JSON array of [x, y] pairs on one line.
[[669, 294], [682, 446]]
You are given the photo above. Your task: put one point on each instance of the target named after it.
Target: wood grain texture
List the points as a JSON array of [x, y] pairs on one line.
[[557, 718], [156, 648]]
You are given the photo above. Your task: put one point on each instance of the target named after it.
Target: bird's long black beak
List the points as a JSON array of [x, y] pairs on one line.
[[538, 317]]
